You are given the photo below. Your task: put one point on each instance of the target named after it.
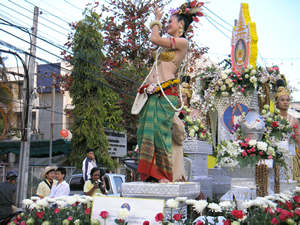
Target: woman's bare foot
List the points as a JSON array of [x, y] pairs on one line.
[[163, 181]]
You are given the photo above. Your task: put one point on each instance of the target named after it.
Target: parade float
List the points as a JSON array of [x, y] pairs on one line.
[[241, 140], [250, 143]]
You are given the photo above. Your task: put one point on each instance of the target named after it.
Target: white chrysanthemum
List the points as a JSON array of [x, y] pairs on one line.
[[297, 189], [214, 207], [123, 214], [280, 199], [247, 76], [284, 196], [235, 223], [262, 145], [247, 204], [71, 200], [95, 222], [89, 198], [52, 200], [46, 223], [223, 87], [181, 199], [253, 79], [77, 222], [64, 197], [190, 201], [225, 204], [27, 202], [253, 72], [43, 203], [83, 201], [34, 206], [200, 205], [172, 203], [61, 204], [270, 197], [243, 219], [35, 198], [252, 143], [249, 67], [78, 196], [230, 85]]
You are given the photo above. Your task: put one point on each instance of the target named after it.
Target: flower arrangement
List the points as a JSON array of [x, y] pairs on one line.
[[214, 81], [65, 210], [194, 127], [282, 208], [245, 151]]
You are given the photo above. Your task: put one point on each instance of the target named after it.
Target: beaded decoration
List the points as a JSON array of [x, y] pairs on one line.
[[173, 43]]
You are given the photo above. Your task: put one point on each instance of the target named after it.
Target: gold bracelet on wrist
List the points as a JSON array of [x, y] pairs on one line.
[[155, 22]]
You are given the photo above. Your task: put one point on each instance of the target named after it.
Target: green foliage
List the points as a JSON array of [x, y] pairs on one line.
[[95, 103]]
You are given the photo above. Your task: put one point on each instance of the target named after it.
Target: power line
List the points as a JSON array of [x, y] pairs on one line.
[[216, 27], [217, 16], [73, 63], [75, 73]]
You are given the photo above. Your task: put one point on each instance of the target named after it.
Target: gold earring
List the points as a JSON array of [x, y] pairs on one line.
[[180, 30]]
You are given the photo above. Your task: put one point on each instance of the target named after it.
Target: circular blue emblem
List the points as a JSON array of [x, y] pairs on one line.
[[230, 112]]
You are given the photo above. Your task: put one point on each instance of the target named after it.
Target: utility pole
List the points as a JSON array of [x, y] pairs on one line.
[[52, 120], [27, 117]]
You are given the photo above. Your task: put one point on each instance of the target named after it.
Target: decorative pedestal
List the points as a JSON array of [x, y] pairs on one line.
[[221, 182], [161, 191], [198, 152]]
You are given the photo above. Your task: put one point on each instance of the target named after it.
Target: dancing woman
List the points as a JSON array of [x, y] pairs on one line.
[[156, 116]]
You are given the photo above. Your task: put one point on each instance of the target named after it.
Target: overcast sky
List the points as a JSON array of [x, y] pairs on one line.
[[277, 24]]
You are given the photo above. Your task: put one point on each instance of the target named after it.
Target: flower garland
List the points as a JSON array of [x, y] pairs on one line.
[[154, 88], [214, 82], [194, 127]]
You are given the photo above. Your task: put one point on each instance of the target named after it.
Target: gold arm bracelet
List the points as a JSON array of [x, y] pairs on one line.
[[155, 22]]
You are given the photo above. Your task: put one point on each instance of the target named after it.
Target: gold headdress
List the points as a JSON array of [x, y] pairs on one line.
[[185, 86], [280, 92]]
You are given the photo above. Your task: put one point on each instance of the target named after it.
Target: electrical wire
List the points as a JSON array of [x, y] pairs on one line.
[[217, 16], [73, 5], [84, 68], [216, 27], [75, 73]]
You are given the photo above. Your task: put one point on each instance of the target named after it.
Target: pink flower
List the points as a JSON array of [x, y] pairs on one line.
[[297, 211], [295, 126], [22, 223], [146, 222], [70, 218], [247, 139], [103, 214], [260, 153], [270, 157], [242, 144], [246, 145], [56, 210], [243, 90], [244, 153]]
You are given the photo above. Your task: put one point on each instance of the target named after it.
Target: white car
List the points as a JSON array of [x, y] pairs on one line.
[[113, 184]]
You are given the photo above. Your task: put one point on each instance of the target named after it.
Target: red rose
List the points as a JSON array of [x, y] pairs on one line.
[[159, 217], [103, 214], [227, 222], [16, 221], [274, 221], [146, 223], [247, 139], [177, 217], [297, 211], [22, 223], [295, 126], [70, 218], [56, 210], [18, 217], [238, 214], [296, 199], [199, 14], [40, 214], [193, 3], [275, 124], [293, 136], [199, 223], [289, 205], [246, 145], [244, 153], [196, 19], [87, 211]]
